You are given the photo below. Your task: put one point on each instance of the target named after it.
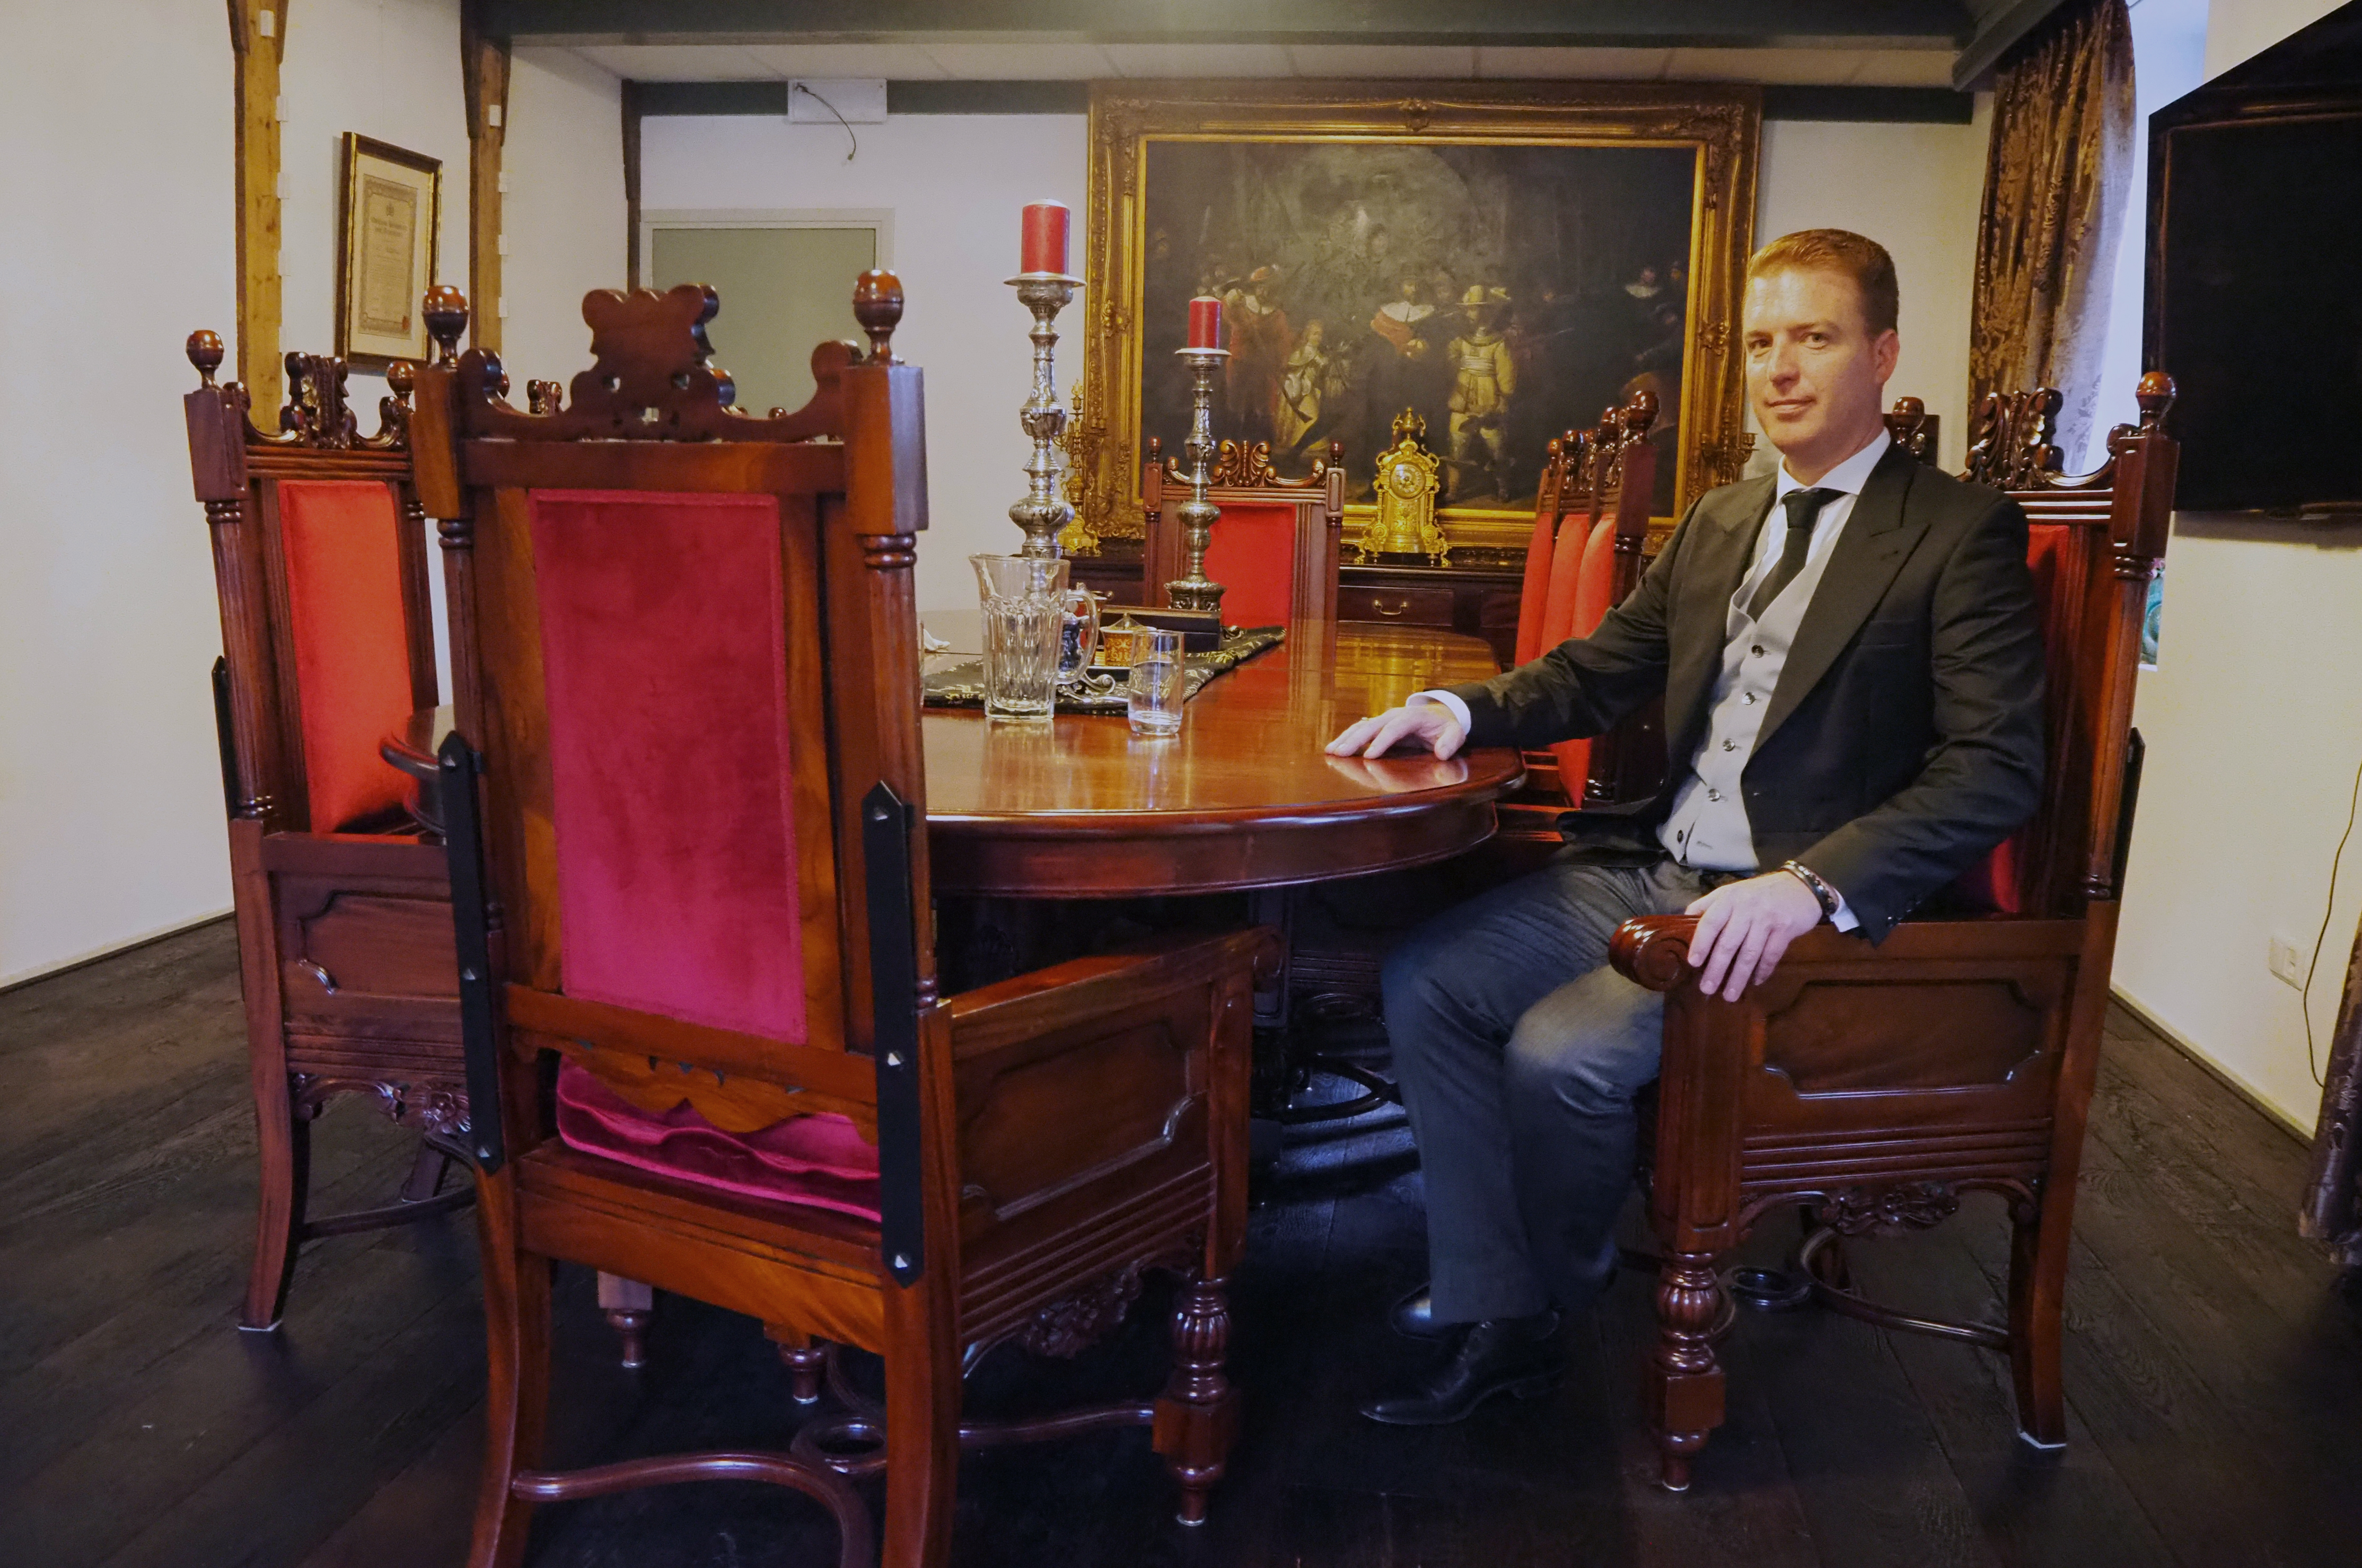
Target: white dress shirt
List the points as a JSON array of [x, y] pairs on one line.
[[1708, 826]]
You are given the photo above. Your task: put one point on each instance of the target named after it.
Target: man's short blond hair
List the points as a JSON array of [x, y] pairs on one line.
[[1839, 250]]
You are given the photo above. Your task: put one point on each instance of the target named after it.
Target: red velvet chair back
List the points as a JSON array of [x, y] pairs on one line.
[[684, 641], [1564, 457], [320, 563], [2094, 541], [1274, 550]]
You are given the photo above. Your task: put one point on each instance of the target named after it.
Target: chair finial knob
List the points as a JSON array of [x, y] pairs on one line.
[[400, 378], [2156, 395], [204, 351], [1639, 413], [877, 306], [445, 309]]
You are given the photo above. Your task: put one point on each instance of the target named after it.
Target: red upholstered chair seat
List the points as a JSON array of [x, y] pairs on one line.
[[1253, 555], [1994, 886], [340, 542], [819, 1160]]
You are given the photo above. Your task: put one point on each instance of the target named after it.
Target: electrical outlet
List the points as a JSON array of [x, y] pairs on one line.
[[2287, 962]]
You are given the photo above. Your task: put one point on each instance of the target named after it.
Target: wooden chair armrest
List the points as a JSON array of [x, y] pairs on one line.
[[1020, 1008], [1653, 950]]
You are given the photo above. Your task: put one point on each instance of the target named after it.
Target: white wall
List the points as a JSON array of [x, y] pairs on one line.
[[1915, 190], [389, 69], [110, 792], [563, 211], [2254, 723], [110, 797], [954, 183]]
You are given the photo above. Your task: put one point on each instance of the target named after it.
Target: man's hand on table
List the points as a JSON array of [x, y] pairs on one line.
[[1744, 927], [1429, 723]]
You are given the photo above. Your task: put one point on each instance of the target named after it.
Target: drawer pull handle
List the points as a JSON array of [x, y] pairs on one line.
[[327, 981], [1392, 609]]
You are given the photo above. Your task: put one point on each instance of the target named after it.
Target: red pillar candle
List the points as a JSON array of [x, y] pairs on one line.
[[1045, 237], [1205, 322]]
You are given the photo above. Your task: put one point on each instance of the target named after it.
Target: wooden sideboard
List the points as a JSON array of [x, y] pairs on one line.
[[1478, 598]]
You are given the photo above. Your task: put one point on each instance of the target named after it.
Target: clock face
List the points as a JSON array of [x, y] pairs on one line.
[[1406, 480]]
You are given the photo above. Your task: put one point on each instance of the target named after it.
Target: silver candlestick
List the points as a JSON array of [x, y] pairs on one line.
[[1045, 511], [1192, 589]]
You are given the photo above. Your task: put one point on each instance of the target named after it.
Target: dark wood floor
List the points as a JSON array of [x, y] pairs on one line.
[[2214, 1367]]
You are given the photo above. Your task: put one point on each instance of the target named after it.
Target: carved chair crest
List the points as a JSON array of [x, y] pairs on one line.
[[650, 379], [316, 416]]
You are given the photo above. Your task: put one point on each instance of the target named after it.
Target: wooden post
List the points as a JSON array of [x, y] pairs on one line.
[[484, 68], [257, 36]]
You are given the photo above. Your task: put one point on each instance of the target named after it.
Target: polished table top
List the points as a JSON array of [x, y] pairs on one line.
[[1244, 796]]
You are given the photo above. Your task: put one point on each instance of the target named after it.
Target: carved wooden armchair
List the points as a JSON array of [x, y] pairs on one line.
[[697, 947], [1875, 1086], [343, 911], [1275, 547]]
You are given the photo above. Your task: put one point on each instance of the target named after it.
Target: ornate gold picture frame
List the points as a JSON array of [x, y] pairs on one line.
[[1586, 233], [388, 217]]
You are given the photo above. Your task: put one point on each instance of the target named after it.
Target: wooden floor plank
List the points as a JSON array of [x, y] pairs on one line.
[[2213, 1367]]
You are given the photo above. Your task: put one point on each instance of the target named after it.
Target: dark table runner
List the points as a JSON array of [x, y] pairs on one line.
[[956, 681]]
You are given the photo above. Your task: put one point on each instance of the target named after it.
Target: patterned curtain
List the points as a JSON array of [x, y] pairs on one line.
[[2056, 179], [2333, 1195]]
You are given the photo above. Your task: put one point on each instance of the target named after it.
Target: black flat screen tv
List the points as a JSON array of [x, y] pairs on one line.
[[2255, 276]]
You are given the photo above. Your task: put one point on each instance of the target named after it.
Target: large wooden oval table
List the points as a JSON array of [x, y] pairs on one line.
[[1244, 796]]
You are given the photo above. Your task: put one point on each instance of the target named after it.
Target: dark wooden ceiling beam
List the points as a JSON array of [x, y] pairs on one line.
[[2002, 26], [1634, 24]]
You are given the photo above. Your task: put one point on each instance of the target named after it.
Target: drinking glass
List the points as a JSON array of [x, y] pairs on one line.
[[1025, 610], [1154, 700]]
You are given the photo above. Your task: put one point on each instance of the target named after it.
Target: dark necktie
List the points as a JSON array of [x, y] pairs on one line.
[[1803, 506]]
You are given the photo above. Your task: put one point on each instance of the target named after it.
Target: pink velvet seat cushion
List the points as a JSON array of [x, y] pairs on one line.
[[819, 1161], [1253, 555], [340, 544]]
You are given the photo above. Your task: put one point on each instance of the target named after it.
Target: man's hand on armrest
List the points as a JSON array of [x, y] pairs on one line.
[[1438, 720], [1744, 929]]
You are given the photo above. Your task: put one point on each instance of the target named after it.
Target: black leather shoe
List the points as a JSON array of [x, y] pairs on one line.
[[1506, 1356], [1413, 1317]]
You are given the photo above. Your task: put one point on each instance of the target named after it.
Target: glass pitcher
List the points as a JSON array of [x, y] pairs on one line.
[[1039, 633]]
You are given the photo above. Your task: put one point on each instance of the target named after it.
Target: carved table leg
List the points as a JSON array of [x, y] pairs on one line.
[[804, 1360], [1196, 1415], [628, 1305], [1685, 1377]]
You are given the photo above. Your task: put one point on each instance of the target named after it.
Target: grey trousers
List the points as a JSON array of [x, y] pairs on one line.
[[1519, 1053]]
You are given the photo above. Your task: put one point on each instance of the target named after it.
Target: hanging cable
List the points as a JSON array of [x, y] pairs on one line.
[[825, 103], [2305, 994]]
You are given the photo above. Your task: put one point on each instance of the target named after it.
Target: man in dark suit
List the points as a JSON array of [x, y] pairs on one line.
[[1852, 664]]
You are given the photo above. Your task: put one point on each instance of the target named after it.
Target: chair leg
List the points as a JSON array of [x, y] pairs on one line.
[[629, 1307], [285, 1140], [426, 1173], [1198, 1414], [1686, 1379], [2038, 1290], [804, 1358], [516, 1330], [922, 1410]]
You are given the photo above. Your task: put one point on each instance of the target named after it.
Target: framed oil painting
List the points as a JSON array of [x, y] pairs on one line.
[[1505, 261], [389, 208]]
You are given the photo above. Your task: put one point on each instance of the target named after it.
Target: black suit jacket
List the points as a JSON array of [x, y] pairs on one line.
[[1904, 739]]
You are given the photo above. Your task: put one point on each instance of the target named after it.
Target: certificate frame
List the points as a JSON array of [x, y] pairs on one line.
[[1135, 310], [389, 222]]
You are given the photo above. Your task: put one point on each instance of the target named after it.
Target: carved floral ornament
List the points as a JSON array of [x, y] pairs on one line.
[[1721, 123], [316, 416]]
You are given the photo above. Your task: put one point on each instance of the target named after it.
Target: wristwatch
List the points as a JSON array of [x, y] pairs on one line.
[[1820, 889]]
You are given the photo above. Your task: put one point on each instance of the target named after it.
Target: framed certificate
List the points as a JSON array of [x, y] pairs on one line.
[[388, 213]]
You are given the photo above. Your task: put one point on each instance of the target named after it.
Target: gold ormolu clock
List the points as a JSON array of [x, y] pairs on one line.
[[1404, 526]]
